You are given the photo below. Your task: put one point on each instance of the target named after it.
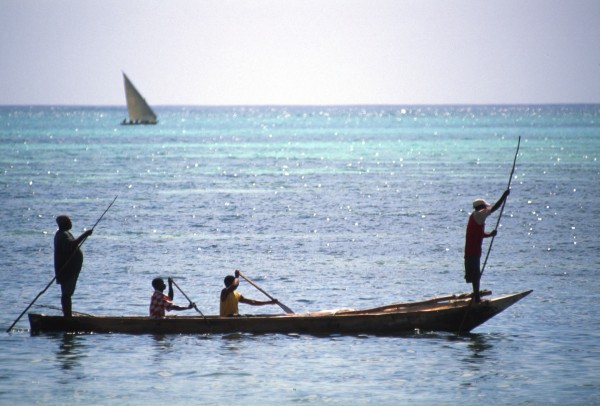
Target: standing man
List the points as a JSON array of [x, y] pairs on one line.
[[68, 260], [474, 239]]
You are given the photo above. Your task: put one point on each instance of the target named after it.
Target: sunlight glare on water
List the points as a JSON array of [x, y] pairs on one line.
[[324, 208]]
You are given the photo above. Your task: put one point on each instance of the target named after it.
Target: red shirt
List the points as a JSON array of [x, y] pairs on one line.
[[159, 303], [475, 233]]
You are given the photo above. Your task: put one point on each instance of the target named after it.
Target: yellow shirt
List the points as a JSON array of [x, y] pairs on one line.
[[229, 307]]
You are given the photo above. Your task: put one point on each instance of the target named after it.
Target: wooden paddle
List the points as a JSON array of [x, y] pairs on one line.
[[284, 307], [60, 270], [186, 296]]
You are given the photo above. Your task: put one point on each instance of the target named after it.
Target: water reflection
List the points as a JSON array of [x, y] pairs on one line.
[[232, 343], [70, 351], [162, 344], [479, 345]]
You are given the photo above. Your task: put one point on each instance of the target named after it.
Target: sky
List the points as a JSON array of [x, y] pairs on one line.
[[300, 52]]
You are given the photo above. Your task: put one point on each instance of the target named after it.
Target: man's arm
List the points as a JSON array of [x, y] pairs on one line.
[[500, 201], [257, 302], [171, 293], [169, 303], [491, 234], [83, 236], [175, 307]]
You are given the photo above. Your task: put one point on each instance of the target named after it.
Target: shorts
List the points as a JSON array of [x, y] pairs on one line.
[[472, 269]]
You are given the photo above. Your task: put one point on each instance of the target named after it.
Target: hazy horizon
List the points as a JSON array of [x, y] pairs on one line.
[[300, 52]]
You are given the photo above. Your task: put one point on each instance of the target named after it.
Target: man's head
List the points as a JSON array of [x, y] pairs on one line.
[[228, 280], [64, 222], [479, 204], [159, 284]]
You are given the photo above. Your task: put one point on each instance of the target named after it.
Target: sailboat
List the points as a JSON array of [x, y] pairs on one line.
[[139, 111]]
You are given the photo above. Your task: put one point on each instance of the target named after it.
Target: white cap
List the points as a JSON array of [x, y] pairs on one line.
[[480, 202]]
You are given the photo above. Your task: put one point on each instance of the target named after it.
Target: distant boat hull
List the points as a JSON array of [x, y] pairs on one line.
[[126, 122], [452, 314]]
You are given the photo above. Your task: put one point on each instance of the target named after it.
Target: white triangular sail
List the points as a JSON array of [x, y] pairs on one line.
[[139, 111]]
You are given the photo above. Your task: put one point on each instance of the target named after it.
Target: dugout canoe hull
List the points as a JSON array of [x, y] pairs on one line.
[[455, 314]]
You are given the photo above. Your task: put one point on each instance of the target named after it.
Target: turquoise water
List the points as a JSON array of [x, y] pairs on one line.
[[323, 207]]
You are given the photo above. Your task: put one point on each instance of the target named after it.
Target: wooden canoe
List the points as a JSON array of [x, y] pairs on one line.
[[453, 313]]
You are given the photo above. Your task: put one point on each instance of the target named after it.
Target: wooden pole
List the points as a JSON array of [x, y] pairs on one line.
[[501, 209]]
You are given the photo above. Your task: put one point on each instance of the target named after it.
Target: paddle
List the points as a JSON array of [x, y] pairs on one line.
[[60, 270], [284, 307], [186, 296]]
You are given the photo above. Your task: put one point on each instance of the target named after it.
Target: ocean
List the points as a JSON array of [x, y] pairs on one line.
[[324, 207]]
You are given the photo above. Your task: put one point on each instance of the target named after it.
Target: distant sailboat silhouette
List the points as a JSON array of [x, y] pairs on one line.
[[139, 111]]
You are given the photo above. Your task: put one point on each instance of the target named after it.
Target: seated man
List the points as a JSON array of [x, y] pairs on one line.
[[161, 302], [230, 298]]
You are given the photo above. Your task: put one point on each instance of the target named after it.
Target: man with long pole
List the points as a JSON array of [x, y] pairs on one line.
[[54, 278], [476, 233]]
